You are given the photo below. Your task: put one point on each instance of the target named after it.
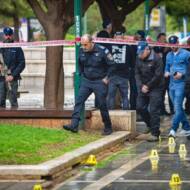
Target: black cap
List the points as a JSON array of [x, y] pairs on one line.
[[8, 31], [141, 33], [173, 39], [106, 23]]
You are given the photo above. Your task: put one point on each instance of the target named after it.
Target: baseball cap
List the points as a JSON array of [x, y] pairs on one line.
[[141, 47], [106, 23], [173, 39], [141, 33], [8, 31]]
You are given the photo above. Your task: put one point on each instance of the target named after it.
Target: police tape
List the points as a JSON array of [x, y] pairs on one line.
[[39, 43], [134, 42], [96, 40]]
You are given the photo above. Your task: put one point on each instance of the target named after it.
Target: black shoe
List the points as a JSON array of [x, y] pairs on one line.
[[107, 132], [70, 128], [188, 137]]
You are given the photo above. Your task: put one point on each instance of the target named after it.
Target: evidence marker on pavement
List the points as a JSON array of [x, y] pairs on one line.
[[182, 151], [171, 145], [175, 180], [154, 159], [37, 187], [91, 161]]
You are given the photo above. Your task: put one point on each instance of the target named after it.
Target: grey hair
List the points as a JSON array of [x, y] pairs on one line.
[[87, 36]]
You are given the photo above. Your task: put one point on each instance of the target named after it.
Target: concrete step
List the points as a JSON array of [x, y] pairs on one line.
[[33, 80], [40, 53]]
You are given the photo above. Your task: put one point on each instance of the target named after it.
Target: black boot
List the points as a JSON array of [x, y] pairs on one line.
[[70, 128]]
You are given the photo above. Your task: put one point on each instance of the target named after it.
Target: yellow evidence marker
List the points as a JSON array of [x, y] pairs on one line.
[[91, 160], [154, 158], [37, 187], [175, 180], [182, 151], [171, 145]]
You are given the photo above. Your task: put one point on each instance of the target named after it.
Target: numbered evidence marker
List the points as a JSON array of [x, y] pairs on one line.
[[154, 158], [175, 180], [182, 151], [37, 187], [171, 145], [91, 160]]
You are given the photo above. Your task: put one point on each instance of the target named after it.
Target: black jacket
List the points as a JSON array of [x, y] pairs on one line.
[[122, 55], [96, 64], [15, 61], [150, 72]]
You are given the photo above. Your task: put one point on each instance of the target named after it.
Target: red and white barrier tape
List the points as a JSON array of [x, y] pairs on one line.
[[96, 40], [39, 43], [133, 42]]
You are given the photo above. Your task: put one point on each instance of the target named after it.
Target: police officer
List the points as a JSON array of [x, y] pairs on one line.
[[95, 70], [14, 60], [150, 83]]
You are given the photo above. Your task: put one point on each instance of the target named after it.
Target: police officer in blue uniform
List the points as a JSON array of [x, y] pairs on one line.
[[14, 62], [95, 67]]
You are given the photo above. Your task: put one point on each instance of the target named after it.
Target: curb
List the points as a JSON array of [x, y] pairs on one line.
[[58, 169]]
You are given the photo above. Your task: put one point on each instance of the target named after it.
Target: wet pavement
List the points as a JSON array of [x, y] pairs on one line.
[[137, 176]]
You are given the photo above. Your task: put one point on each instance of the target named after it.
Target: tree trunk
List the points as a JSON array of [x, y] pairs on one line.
[[54, 78], [16, 27]]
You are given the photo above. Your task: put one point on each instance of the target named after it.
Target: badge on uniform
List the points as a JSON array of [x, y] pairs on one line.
[[109, 56]]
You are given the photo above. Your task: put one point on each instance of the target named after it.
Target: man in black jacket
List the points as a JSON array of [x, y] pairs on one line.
[[163, 51], [150, 83], [95, 66], [120, 78], [11, 66]]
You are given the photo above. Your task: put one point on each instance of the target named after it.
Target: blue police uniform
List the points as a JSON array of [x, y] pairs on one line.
[[93, 67]]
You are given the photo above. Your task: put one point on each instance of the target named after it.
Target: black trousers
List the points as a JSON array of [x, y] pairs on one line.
[[8, 92], [133, 90], [87, 87], [148, 106], [166, 90]]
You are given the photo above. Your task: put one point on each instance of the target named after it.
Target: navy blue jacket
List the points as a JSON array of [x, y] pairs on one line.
[[96, 64], [14, 59]]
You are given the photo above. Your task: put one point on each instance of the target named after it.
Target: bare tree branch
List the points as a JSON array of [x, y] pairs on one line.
[[39, 12]]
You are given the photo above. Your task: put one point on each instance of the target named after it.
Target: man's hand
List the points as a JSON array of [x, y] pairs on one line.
[[9, 78], [145, 89], [166, 74], [105, 80], [178, 76]]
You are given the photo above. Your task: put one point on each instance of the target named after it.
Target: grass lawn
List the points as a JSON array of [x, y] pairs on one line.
[[29, 145]]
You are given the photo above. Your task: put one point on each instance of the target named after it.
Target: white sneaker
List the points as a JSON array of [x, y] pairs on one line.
[[172, 133], [183, 133]]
